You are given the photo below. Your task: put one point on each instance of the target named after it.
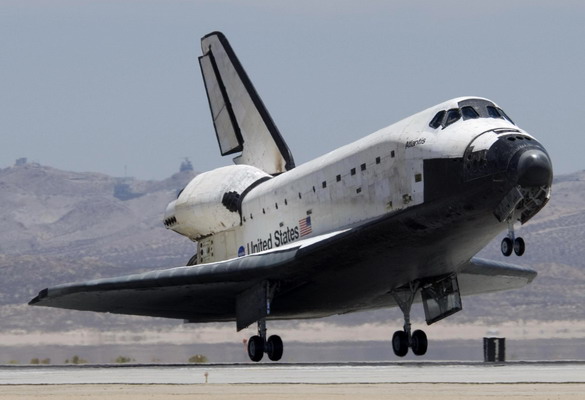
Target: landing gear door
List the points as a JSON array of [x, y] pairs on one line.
[[441, 298]]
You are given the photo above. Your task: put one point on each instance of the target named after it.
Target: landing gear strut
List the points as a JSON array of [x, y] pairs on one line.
[[512, 243], [402, 340]]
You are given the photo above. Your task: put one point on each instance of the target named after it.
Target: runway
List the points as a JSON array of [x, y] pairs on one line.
[[351, 373], [363, 381]]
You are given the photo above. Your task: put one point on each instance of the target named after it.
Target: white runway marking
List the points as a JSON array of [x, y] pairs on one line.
[[528, 372]]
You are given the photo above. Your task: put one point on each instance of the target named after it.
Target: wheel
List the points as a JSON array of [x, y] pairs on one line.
[[507, 246], [519, 246], [255, 348], [400, 343], [274, 347], [419, 342]]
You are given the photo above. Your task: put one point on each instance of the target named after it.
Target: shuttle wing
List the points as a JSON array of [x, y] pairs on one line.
[[242, 122], [486, 276], [199, 293], [209, 292]]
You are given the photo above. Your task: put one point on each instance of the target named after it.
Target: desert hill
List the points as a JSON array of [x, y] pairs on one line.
[[58, 226]]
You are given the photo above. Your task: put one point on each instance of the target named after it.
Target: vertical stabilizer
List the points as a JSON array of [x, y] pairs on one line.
[[241, 121]]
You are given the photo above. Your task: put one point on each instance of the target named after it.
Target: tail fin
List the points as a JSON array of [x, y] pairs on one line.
[[241, 121]]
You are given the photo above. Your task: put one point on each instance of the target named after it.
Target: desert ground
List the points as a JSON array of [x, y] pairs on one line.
[[296, 391]]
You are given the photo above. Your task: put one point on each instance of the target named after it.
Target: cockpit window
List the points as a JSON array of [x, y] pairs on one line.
[[492, 112], [453, 115], [437, 119], [506, 116], [469, 112], [468, 109]]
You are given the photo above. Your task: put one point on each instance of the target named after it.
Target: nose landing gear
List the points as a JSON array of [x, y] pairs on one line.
[[512, 243]]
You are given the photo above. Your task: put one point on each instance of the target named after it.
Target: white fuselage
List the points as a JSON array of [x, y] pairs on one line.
[[379, 174]]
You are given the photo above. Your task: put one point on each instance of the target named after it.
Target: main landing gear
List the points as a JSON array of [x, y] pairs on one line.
[[258, 345], [254, 305], [511, 243], [402, 340]]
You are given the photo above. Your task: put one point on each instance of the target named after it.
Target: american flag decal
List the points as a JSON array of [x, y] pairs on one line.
[[305, 226]]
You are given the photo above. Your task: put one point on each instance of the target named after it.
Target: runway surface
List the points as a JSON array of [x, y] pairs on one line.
[[352, 373]]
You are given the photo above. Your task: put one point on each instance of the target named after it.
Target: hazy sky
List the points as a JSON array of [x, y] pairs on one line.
[[100, 85]]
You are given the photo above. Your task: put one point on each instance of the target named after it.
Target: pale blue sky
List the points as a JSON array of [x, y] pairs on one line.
[[100, 85]]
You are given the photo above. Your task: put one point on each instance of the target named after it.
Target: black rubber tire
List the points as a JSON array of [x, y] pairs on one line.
[[507, 246], [519, 246], [419, 342], [274, 347], [256, 348], [400, 343]]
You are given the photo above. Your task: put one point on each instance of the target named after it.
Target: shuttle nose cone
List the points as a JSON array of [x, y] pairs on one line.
[[534, 168]]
